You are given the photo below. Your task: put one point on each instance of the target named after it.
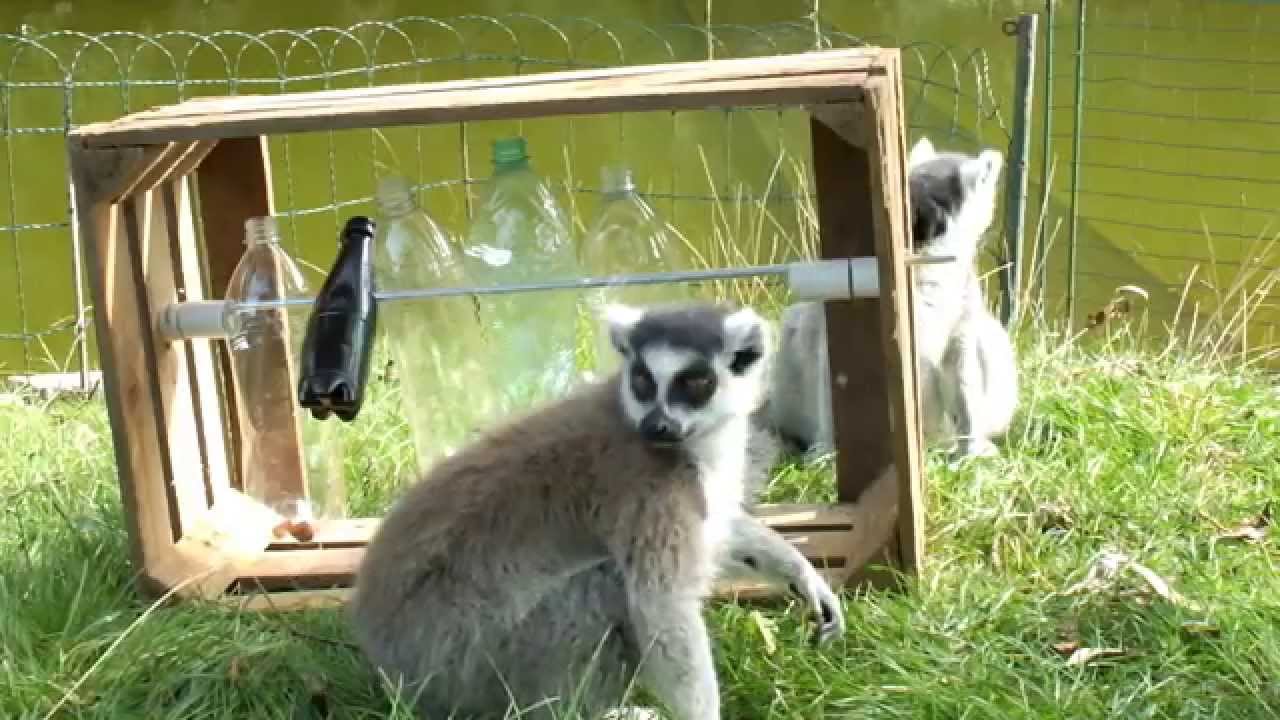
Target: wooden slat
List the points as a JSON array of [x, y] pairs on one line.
[[787, 79], [189, 571], [784, 517], [202, 368], [174, 411], [225, 538], [115, 275], [186, 165], [892, 223], [338, 564], [342, 532], [287, 601], [843, 536], [859, 399], [873, 392]]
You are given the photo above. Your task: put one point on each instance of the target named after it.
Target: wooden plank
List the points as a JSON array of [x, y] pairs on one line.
[[287, 601], [336, 565], [787, 79], [837, 539], [783, 517], [225, 538], [339, 532], [188, 163], [859, 395], [116, 278], [174, 411], [892, 223], [189, 572], [874, 402], [167, 161], [868, 528], [202, 364]]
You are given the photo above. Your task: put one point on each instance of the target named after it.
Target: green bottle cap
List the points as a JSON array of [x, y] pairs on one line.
[[509, 151]]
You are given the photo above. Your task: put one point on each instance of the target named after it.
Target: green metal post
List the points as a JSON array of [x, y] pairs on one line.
[[1016, 184], [1075, 166], [1039, 260]]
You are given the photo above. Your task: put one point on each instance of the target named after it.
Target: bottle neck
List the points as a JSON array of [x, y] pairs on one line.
[[617, 182], [501, 167], [397, 206], [395, 197], [261, 230]]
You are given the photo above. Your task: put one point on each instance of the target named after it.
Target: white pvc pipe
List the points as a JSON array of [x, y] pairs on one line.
[[837, 279], [196, 319]]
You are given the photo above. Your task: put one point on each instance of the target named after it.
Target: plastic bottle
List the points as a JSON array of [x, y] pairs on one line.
[[337, 349], [628, 236], [435, 344], [520, 234], [264, 345]]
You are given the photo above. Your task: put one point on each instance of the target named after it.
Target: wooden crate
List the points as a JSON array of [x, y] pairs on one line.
[[193, 534]]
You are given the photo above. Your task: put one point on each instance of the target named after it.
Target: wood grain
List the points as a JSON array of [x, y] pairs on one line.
[[113, 281], [859, 166], [779, 80], [202, 367], [892, 223]]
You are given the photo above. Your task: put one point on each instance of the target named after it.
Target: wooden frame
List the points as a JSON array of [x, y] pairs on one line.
[[172, 409]]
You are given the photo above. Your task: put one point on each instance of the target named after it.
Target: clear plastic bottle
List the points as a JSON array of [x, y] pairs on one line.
[[434, 343], [628, 236], [265, 344], [520, 234]]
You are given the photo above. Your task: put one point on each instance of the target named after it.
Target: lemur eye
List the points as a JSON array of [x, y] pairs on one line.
[[642, 385], [698, 388], [743, 359]]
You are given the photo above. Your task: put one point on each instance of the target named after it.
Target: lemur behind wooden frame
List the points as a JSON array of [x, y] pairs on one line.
[[172, 409]]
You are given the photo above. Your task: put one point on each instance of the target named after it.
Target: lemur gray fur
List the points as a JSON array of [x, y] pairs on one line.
[[967, 368], [586, 532]]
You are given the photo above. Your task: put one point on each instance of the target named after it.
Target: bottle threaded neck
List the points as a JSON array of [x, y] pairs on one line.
[[261, 230], [510, 152], [617, 180], [395, 196]]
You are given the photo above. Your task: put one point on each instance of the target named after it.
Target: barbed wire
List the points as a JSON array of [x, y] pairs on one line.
[[52, 82]]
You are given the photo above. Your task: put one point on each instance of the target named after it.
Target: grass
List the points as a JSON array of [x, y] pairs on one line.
[[1116, 448], [1119, 447]]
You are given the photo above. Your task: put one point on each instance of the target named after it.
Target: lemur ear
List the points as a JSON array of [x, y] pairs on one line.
[[746, 339], [619, 320], [921, 152]]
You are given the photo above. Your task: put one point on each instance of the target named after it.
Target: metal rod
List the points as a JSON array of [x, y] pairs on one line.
[[1016, 187], [1040, 262], [581, 283], [77, 275], [1075, 166]]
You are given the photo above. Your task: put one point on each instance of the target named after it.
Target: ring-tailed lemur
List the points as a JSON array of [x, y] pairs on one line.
[[588, 531], [968, 373]]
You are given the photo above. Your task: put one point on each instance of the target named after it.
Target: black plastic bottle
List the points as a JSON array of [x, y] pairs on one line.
[[338, 346]]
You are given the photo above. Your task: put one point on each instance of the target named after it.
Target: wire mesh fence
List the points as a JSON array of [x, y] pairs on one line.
[[1164, 120], [735, 181]]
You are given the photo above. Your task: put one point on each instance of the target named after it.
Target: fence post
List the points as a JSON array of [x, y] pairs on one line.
[[1024, 29], [1075, 165], [77, 276], [1039, 260]]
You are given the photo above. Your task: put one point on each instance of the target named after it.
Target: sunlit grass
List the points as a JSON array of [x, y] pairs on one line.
[[1122, 445]]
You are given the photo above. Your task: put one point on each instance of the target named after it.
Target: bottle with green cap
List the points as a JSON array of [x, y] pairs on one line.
[[265, 345], [627, 235], [434, 344], [520, 234]]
